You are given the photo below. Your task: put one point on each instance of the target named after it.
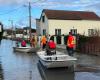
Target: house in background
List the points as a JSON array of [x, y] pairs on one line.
[[19, 32], [58, 22], [25, 32]]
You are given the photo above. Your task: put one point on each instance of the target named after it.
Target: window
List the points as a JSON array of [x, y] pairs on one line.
[[57, 31], [74, 31], [43, 18], [44, 31], [91, 32]]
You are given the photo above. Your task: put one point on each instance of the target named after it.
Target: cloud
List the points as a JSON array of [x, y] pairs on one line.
[[16, 2], [10, 2], [93, 7], [54, 4], [82, 4], [90, 5], [64, 3]]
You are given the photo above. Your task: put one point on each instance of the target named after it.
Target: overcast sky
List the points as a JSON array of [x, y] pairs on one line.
[[17, 10]]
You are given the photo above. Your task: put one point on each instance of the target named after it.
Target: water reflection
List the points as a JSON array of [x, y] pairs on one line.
[[55, 74], [1, 72]]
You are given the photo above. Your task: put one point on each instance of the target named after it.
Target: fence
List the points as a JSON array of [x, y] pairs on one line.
[[89, 45]]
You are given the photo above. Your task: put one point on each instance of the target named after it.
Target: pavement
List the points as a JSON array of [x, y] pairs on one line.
[[61, 46], [85, 62]]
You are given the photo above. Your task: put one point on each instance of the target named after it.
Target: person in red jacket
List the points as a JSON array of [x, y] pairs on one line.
[[70, 44], [51, 47], [23, 43]]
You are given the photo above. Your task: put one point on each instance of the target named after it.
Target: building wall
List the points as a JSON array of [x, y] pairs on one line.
[[82, 26], [44, 25], [38, 29]]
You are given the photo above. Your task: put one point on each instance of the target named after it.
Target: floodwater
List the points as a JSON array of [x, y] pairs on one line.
[[25, 66]]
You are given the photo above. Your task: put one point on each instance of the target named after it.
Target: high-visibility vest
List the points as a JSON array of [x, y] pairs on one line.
[[71, 42], [43, 40]]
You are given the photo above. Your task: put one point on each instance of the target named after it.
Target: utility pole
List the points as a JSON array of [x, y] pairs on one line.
[[30, 35], [30, 20]]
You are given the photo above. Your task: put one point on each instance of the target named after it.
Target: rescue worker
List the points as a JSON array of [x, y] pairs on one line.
[[36, 41], [33, 42], [70, 44], [43, 42]]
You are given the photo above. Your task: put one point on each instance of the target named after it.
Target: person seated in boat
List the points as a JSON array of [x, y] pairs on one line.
[[23, 43], [51, 47]]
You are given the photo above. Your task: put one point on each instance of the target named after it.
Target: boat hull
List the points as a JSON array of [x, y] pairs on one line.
[[58, 60], [56, 64], [22, 49]]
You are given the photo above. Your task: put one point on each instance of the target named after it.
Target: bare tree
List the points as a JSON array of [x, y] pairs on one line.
[[95, 32]]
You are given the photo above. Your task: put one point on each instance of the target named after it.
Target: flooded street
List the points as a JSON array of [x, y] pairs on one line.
[[18, 66], [25, 66]]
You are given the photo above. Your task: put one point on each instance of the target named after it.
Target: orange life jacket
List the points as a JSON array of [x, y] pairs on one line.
[[43, 40]]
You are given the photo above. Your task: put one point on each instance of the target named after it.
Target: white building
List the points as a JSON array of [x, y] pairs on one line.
[[58, 22], [0, 27], [38, 28]]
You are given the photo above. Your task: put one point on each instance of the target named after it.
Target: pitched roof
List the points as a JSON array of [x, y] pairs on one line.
[[70, 15]]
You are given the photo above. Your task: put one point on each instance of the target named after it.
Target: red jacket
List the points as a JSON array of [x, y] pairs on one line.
[[51, 45], [23, 44]]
